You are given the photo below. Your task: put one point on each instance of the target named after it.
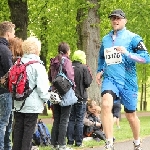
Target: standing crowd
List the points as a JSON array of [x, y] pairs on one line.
[[116, 74]]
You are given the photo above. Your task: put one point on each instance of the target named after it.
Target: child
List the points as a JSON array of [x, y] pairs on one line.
[[92, 124]]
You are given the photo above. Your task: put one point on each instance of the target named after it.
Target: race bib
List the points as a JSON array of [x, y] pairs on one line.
[[112, 56]]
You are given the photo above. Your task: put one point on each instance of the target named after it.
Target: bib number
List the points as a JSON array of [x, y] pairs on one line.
[[112, 56]]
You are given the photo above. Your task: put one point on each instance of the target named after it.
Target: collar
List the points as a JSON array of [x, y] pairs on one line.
[[118, 32], [3, 41]]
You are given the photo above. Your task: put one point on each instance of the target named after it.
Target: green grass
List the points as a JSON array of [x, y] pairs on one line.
[[122, 134], [49, 115]]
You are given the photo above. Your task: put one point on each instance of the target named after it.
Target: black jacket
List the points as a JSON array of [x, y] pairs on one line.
[[83, 79], [5, 60]]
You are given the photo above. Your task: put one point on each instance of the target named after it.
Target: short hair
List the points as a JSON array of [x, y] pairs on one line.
[[6, 26], [31, 46]]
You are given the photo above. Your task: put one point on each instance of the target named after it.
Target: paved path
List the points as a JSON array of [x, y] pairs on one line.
[[125, 145]]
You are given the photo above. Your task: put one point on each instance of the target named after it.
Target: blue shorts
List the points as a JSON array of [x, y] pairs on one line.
[[128, 97]]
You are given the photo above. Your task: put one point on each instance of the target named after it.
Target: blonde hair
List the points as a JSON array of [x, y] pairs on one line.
[[15, 45], [91, 103], [6, 26], [31, 46]]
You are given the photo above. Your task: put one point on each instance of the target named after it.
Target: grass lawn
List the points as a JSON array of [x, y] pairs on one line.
[[122, 134]]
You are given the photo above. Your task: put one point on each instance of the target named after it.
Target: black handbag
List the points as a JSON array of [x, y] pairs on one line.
[[61, 82]]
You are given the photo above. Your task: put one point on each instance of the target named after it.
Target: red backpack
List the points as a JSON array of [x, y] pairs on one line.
[[18, 83]]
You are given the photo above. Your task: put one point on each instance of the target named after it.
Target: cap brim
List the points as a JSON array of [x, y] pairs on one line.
[[118, 15]]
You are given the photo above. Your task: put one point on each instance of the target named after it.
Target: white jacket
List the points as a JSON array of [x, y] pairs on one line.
[[37, 75]]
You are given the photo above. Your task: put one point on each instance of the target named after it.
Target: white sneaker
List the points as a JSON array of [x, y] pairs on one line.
[[138, 147], [108, 146], [34, 148], [64, 147]]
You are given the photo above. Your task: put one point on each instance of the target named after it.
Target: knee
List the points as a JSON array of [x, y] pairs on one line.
[[132, 117], [107, 103]]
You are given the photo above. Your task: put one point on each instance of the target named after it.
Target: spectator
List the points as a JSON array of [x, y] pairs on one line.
[[82, 74], [92, 123], [7, 31], [15, 45], [26, 118], [60, 113], [116, 110]]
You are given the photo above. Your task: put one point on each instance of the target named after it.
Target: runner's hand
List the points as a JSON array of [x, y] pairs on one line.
[[99, 77], [121, 49]]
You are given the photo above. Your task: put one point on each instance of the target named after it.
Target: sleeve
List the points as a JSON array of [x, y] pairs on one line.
[[49, 75], [69, 70], [42, 83], [140, 53], [101, 59], [6, 60], [87, 77]]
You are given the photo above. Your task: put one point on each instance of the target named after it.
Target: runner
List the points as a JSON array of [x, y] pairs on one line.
[[119, 52]]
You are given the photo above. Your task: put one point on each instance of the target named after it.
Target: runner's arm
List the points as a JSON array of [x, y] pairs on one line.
[[140, 54], [101, 59]]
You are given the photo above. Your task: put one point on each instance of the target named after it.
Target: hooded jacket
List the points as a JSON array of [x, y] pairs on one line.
[[83, 79], [66, 68], [37, 75]]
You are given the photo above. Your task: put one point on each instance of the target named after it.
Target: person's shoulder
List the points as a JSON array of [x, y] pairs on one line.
[[134, 36]]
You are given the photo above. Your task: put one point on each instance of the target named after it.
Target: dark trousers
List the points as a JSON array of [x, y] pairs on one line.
[[61, 118], [75, 125], [23, 130]]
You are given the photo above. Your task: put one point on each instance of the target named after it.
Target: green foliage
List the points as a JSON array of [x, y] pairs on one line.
[[54, 21], [4, 11]]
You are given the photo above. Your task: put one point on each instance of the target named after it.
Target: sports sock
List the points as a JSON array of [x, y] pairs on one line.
[[110, 141], [137, 142]]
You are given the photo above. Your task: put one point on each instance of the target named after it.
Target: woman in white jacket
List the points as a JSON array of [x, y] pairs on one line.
[[26, 118]]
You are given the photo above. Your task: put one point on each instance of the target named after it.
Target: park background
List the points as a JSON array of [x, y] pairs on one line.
[[82, 24]]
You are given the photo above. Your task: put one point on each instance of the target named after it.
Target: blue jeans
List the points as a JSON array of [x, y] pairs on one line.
[[5, 121], [75, 125]]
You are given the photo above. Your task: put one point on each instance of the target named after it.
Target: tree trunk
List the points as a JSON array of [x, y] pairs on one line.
[[141, 101], [44, 51], [89, 41], [19, 16]]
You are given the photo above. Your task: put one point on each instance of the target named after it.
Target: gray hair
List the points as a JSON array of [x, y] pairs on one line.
[[31, 46]]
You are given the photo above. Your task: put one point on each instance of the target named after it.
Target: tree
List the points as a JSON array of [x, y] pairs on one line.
[[54, 21], [89, 40], [19, 16]]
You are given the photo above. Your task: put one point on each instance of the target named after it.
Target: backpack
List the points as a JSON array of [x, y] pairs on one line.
[[61, 82], [41, 136], [18, 83]]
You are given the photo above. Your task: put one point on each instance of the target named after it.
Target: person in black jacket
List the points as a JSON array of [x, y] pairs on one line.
[[7, 31], [83, 79]]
